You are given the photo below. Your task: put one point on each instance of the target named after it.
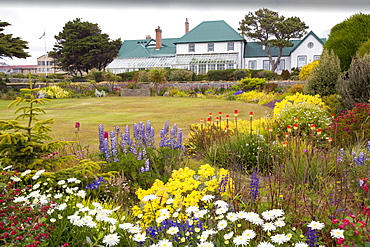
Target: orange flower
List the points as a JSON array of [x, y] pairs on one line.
[[319, 131], [295, 126], [235, 113], [289, 129]]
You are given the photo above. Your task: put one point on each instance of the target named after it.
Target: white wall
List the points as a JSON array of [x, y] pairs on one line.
[[303, 50], [202, 48]]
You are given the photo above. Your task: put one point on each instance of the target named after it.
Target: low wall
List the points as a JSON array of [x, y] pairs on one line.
[[135, 92]]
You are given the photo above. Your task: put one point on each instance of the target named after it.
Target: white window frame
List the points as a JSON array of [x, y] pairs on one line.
[[191, 47], [266, 65], [281, 66], [252, 64], [301, 63], [230, 46], [211, 47], [316, 57]]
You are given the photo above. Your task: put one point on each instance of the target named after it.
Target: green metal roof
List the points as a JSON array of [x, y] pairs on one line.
[[253, 49], [146, 48], [210, 31]]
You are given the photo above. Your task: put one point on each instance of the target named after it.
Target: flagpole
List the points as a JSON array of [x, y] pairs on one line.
[[46, 69]]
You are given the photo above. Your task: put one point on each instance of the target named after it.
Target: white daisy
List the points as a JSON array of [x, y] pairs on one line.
[[149, 198], [337, 233], [15, 179], [265, 244], [164, 243], [240, 240], [81, 193], [26, 172], [61, 182], [268, 226], [111, 239], [134, 229], [279, 223], [232, 216], [71, 180], [125, 226], [173, 230], [222, 224], [301, 244], [221, 204], [192, 209], [249, 234], [139, 237], [205, 244], [268, 215], [279, 238], [207, 198], [315, 225], [221, 210], [228, 235]]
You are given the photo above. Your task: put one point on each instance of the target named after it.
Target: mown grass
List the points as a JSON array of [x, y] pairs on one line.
[[122, 111]]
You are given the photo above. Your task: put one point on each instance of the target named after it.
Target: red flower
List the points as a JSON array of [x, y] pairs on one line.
[[77, 125]]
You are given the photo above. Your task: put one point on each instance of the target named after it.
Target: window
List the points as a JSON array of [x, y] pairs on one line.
[[310, 45], [39, 63], [316, 57], [281, 66], [230, 66], [202, 68], [252, 64], [220, 66], [266, 65], [211, 67], [211, 47], [230, 46], [302, 61], [191, 47], [193, 68]]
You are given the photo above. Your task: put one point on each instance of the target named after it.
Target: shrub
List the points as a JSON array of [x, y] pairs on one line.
[[220, 75], [352, 125], [307, 70], [181, 75], [285, 74], [354, 87], [296, 88], [55, 92], [248, 84], [241, 73], [127, 76], [95, 75], [142, 76], [324, 76]]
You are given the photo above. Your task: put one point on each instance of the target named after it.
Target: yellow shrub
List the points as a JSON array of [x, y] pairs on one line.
[[185, 188], [296, 99], [307, 70], [55, 92]]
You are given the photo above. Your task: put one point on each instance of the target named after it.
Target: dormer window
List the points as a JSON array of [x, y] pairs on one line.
[[211, 47], [230, 46]]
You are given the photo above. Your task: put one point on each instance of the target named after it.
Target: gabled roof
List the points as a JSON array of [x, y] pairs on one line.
[[210, 31], [253, 49], [146, 48]]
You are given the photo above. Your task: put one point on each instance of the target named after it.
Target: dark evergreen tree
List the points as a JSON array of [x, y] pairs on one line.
[[81, 46], [11, 47]]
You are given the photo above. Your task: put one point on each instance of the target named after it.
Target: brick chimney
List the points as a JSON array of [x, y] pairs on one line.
[[186, 26], [158, 38], [148, 37]]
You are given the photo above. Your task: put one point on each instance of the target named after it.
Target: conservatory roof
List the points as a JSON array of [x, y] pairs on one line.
[[206, 59], [146, 48], [141, 62]]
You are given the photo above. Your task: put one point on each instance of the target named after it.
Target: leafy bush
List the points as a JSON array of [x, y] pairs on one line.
[[353, 125], [241, 73], [354, 86], [220, 75], [285, 74], [296, 88], [55, 92], [95, 75], [181, 75], [142, 76], [127, 76], [324, 76], [248, 84]]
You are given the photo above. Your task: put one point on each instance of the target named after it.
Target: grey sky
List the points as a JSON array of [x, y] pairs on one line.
[[136, 19]]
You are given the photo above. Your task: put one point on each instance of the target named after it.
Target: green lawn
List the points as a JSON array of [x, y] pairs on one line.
[[122, 111]]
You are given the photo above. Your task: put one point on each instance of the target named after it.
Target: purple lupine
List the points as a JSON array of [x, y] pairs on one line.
[[360, 159], [341, 155], [254, 186], [101, 137], [312, 237], [146, 167], [113, 140], [96, 184], [368, 146], [223, 183]]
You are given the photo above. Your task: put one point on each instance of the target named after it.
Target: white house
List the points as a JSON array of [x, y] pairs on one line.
[[212, 45]]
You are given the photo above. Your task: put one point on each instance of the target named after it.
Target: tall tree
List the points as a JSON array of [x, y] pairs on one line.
[[81, 46], [346, 38], [11, 47], [267, 28]]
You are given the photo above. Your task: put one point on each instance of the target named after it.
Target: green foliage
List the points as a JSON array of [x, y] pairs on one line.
[[157, 76], [81, 46], [242, 152], [346, 38], [127, 76], [220, 75], [241, 73], [296, 88], [270, 29], [324, 76], [354, 86], [364, 48], [142, 76], [307, 114], [95, 75], [248, 84], [24, 146], [181, 75], [11, 47]]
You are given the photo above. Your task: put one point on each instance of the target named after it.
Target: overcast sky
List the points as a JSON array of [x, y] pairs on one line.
[[134, 19]]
